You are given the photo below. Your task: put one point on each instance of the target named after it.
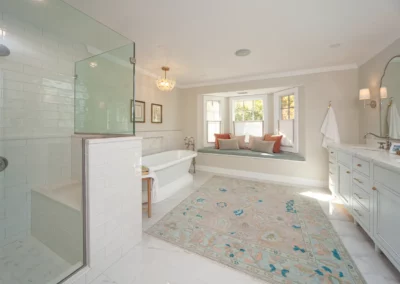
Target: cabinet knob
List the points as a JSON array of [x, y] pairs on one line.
[[332, 152], [348, 172], [374, 188], [359, 165]]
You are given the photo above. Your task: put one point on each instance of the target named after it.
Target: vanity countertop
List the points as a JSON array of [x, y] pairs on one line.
[[380, 157]]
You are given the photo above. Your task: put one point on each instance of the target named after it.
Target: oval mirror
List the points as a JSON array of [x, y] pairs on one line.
[[390, 99]]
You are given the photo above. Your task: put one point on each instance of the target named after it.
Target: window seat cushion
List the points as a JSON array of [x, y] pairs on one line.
[[249, 153]]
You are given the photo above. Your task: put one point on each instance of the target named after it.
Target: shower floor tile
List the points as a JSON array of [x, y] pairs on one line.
[[29, 261]]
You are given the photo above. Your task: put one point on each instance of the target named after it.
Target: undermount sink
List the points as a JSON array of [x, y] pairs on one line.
[[366, 148]]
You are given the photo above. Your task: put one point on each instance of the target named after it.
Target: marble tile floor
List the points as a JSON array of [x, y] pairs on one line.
[[156, 262], [28, 261]]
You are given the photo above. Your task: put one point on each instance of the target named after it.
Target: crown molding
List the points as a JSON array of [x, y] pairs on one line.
[[145, 72], [271, 76]]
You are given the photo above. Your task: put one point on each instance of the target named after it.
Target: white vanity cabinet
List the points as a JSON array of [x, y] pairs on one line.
[[344, 184], [361, 196], [370, 190], [386, 196], [343, 188]]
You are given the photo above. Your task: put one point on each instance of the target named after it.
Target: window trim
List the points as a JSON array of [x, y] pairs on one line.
[[205, 125], [264, 98], [277, 116]]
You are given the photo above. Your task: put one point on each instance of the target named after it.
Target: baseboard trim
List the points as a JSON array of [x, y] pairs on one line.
[[264, 177]]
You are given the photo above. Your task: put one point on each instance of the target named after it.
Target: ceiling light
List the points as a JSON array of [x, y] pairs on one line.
[[2, 34], [242, 52], [93, 64], [335, 45], [242, 93], [164, 84]]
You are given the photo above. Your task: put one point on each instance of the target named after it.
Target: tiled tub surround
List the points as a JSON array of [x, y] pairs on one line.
[[114, 207], [367, 181], [160, 141]]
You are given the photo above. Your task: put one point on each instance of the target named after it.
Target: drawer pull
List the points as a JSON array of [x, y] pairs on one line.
[[359, 165], [357, 180], [359, 197], [331, 173], [374, 188], [358, 212], [348, 172], [332, 152]]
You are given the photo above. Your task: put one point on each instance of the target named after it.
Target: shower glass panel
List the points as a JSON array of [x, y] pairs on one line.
[[104, 91], [42, 200]]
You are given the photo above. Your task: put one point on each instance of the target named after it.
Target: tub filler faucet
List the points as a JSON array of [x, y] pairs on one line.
[[190, 145]]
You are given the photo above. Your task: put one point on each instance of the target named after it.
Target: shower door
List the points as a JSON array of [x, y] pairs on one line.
[[104, 93]]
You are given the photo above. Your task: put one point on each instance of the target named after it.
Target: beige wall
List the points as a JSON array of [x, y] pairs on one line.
[[316, 90], [165, 136], [147, 91], [370, 75]]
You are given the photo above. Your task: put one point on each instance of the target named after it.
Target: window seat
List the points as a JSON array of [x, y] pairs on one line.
[[249, 153]]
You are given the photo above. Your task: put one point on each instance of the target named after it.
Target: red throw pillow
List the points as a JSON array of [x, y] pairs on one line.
[[277, 139], [221, 136]]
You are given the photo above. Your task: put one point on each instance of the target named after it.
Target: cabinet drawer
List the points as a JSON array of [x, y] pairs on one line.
[[387, 178], [361, 166], [361, 215], [361, 181], [344, 158], [361, 196]]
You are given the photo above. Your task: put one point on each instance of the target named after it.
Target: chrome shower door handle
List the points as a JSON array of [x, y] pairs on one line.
[[3, 163]]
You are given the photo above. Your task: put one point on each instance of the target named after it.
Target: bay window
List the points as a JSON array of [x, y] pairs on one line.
[[248, 116]]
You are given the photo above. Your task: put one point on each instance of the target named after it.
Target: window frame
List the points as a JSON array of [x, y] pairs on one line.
[[221, 100], [264, 98], [278, 116]]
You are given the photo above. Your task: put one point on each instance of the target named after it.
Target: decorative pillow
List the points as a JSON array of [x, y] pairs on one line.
[[252, 139], [228, 144], [277, 139], [221, 136], [240, 139], [263, 146]]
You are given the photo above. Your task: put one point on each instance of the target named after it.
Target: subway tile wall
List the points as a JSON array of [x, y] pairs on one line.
[[161, 141], [113, 171], [37, 111]]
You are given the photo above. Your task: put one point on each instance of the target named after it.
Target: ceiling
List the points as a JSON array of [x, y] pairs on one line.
[[197, 39]]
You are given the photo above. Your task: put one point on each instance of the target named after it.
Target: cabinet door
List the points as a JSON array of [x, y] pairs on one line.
[[386, 221], [344, 183]]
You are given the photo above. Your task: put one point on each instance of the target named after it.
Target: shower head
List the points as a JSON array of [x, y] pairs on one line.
[[4, 50]]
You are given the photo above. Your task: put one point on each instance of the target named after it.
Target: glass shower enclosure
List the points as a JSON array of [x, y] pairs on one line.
[[63, 76]]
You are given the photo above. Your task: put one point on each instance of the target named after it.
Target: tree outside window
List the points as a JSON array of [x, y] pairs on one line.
[[287, 107]]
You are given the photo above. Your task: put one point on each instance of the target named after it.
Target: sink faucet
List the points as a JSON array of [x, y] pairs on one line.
[[388, 143]]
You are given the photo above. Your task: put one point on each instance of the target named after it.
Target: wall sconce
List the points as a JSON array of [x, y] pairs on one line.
[[366, 95], [383, 93]]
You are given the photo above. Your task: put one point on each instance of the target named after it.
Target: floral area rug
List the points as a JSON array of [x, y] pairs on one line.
[[269, 231]]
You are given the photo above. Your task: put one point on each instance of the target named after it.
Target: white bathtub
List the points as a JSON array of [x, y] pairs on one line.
[[172, 171]]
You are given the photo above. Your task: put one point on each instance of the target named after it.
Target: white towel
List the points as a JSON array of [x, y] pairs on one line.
[[393, 119], [154, 187], [330, 129]]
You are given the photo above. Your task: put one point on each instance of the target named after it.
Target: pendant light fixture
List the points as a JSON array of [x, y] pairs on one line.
[[164, 84]]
